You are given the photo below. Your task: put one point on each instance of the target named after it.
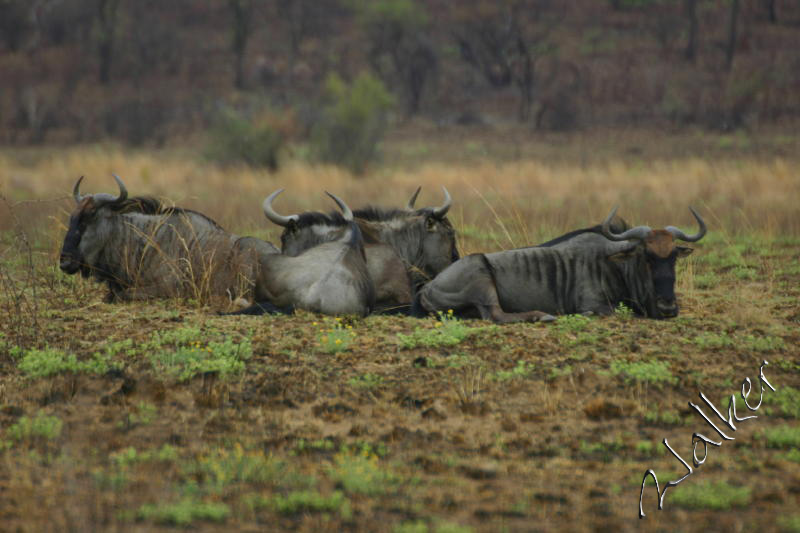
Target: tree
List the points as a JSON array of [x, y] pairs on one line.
[[503, 40], [241, 10], [730, 49], [106, 29], [400, 52], [691, 43]]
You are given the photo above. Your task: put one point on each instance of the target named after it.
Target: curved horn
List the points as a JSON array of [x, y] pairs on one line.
[[410, 204], [123, 192], [76, 191], [272, 215], [678, 234], [639, 232], [440, 212], [348, 215]]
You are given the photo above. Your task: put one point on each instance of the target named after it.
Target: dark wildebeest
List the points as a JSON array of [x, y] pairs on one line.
[[330, 278], [404, 247], [582, 272], [142, 249]]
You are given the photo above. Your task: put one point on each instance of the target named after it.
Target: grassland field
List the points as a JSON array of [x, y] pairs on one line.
[[162, 415]]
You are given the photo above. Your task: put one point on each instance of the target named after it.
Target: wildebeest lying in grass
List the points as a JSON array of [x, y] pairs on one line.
[[330, 278], [143, 249], [585, 271], [403, 246]]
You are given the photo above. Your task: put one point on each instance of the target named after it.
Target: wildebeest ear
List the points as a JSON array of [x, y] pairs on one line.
[[683, 251]]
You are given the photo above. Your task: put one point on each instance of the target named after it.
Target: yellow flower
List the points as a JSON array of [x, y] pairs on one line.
[[338, 341], [313, 323], [449, 311], [438, 324]]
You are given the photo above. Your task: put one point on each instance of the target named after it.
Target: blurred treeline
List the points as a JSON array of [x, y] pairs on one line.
[[151, 71]]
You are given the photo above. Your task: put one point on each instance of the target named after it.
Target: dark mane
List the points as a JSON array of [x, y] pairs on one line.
[[618, 225], [568, 236], [147, 205], [381, 214], [314, 218]]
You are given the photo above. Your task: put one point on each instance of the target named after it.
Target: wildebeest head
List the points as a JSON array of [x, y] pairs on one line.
[[82, 241], [650, 257], [423, 237], [438, 248]]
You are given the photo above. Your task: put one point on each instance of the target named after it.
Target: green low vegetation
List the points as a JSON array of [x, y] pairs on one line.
[[718, 496]]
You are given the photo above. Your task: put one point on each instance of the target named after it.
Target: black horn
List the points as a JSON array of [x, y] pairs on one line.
[[348, 215], [413, 199], [274, 217], [678, 234], [76, 191], [639, 232], [441, 211]]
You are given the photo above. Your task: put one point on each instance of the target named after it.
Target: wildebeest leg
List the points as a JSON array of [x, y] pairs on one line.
[[261, 308], [470, 283]]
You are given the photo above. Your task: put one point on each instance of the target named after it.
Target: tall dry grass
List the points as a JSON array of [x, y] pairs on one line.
[[496, 205]]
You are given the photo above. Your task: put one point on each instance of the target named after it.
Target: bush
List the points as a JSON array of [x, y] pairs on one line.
[[353, 123], [235, 139]]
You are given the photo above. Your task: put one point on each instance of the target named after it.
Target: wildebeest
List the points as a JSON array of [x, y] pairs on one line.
[[404, 247], [330, 278], [585, 272], [143, 249]]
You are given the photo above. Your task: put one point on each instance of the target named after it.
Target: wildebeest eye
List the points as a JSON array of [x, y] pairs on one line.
[[430, 223]]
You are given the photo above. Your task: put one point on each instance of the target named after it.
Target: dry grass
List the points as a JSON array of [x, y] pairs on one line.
[[496, 204]]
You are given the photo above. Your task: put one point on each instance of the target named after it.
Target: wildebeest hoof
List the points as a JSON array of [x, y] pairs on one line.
[[547, 318]]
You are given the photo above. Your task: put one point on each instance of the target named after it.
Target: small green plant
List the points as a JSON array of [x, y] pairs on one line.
[[785, 399], [522, 370], [789, 523], [556, 372], [360, 473], [354, 121], [623, 312], [223, 467], [605, 451], [184, 512], [40, 428], [708, 280], [447, 331], [719, 496], [190, 358], [366, 381], [571, 323], [573, 330], [49, 362], [713, 341], [311, 501], [669, 418], [792, 455], [655, 372], [145, 414], [782, 437], [335, 337]]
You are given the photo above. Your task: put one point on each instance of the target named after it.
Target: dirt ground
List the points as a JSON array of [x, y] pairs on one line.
[[150, 416]]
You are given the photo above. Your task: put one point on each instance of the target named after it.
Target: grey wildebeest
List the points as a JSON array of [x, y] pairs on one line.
[[143, 249], [330, 278], [583, 272], [404, 247]]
